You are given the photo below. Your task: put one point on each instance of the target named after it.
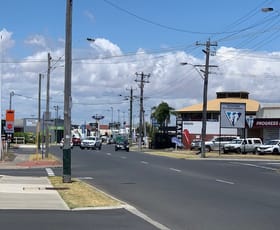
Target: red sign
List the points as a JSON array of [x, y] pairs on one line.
[[9, 127]]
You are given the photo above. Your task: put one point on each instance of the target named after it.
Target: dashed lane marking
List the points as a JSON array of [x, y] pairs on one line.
[[175, 170], [108, 154], [224, 181], [144, 162]]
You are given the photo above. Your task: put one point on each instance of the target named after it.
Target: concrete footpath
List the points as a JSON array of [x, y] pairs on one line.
[[29, 193], [22, 192]]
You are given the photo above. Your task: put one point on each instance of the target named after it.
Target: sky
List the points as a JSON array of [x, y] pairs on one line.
[[149, 36]]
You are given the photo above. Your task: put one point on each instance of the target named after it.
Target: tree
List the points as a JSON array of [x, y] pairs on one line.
[[162, 114]]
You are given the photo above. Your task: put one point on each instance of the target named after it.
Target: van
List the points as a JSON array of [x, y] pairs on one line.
[[243, 145]]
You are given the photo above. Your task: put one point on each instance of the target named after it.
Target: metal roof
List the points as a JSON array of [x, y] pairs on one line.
[[214, 105]]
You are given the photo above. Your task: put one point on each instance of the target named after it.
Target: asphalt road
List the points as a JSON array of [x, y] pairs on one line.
[[71, 220], [186, 194]]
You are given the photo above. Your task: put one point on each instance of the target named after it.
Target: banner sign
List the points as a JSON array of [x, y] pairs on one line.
[[233, 115]]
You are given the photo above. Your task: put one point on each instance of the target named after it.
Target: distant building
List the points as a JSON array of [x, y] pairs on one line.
[[262, 120]]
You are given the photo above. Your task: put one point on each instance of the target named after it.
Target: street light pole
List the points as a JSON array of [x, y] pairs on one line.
[[48, 107], [11, 95], [205, 89], [67, 95]]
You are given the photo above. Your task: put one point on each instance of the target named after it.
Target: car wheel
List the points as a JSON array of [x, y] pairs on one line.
[[207, 149], [238, 150], [255, 151], [275, 151]]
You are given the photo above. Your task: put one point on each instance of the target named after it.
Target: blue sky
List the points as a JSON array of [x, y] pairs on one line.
[[151, 36]]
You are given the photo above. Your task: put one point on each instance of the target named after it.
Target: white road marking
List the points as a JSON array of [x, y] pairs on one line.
[[136, 212], [257, 166], [108, 154], [224, 181], [50, 172], [123, 157], [144, 162], [176, 170]]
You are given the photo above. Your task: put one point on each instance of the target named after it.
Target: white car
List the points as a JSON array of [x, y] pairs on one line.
[[91, 142], [271, 146]]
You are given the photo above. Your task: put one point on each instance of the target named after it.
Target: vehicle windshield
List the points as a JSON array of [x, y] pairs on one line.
[[236, 141], [272, 142]]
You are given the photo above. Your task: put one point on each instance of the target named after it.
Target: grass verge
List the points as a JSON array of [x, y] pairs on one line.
[[187, 154], [79, 194]]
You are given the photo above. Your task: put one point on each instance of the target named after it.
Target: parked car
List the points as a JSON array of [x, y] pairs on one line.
[[122, 143], [217, 143], [91, 142], [271, 146], [196, 144], [243, 145], [61, 144]]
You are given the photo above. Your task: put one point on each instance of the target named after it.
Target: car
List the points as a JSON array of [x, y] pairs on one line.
[[76, 141], [61, 144], [217, 143], [269, 147], [243, 145], [121, 144], [196, 144], [91, 142]]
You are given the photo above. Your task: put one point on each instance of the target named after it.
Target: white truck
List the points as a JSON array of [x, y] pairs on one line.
[[243, 145]]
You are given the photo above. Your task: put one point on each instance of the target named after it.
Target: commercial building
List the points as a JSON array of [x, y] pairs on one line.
[[261, 120]]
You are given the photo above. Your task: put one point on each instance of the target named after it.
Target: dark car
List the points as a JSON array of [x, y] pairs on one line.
[[122, 144]]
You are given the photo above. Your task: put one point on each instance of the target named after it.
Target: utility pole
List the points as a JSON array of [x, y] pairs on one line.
[[56, 108], [67, 94], [130, 112], [207, 52], [47, 117], [39, 114], [144, 78]]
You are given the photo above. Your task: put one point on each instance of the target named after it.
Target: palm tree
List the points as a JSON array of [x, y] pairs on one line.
[[162, 114]]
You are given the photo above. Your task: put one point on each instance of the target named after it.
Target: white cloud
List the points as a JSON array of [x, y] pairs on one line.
[[98, 82], [36, 40], [6, 41]]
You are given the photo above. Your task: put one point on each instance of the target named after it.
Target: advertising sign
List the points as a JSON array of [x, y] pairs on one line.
[[233, 115], [10, 118]]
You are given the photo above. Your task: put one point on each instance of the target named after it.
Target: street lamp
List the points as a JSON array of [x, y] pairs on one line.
[[267, 9], [91, 39]]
